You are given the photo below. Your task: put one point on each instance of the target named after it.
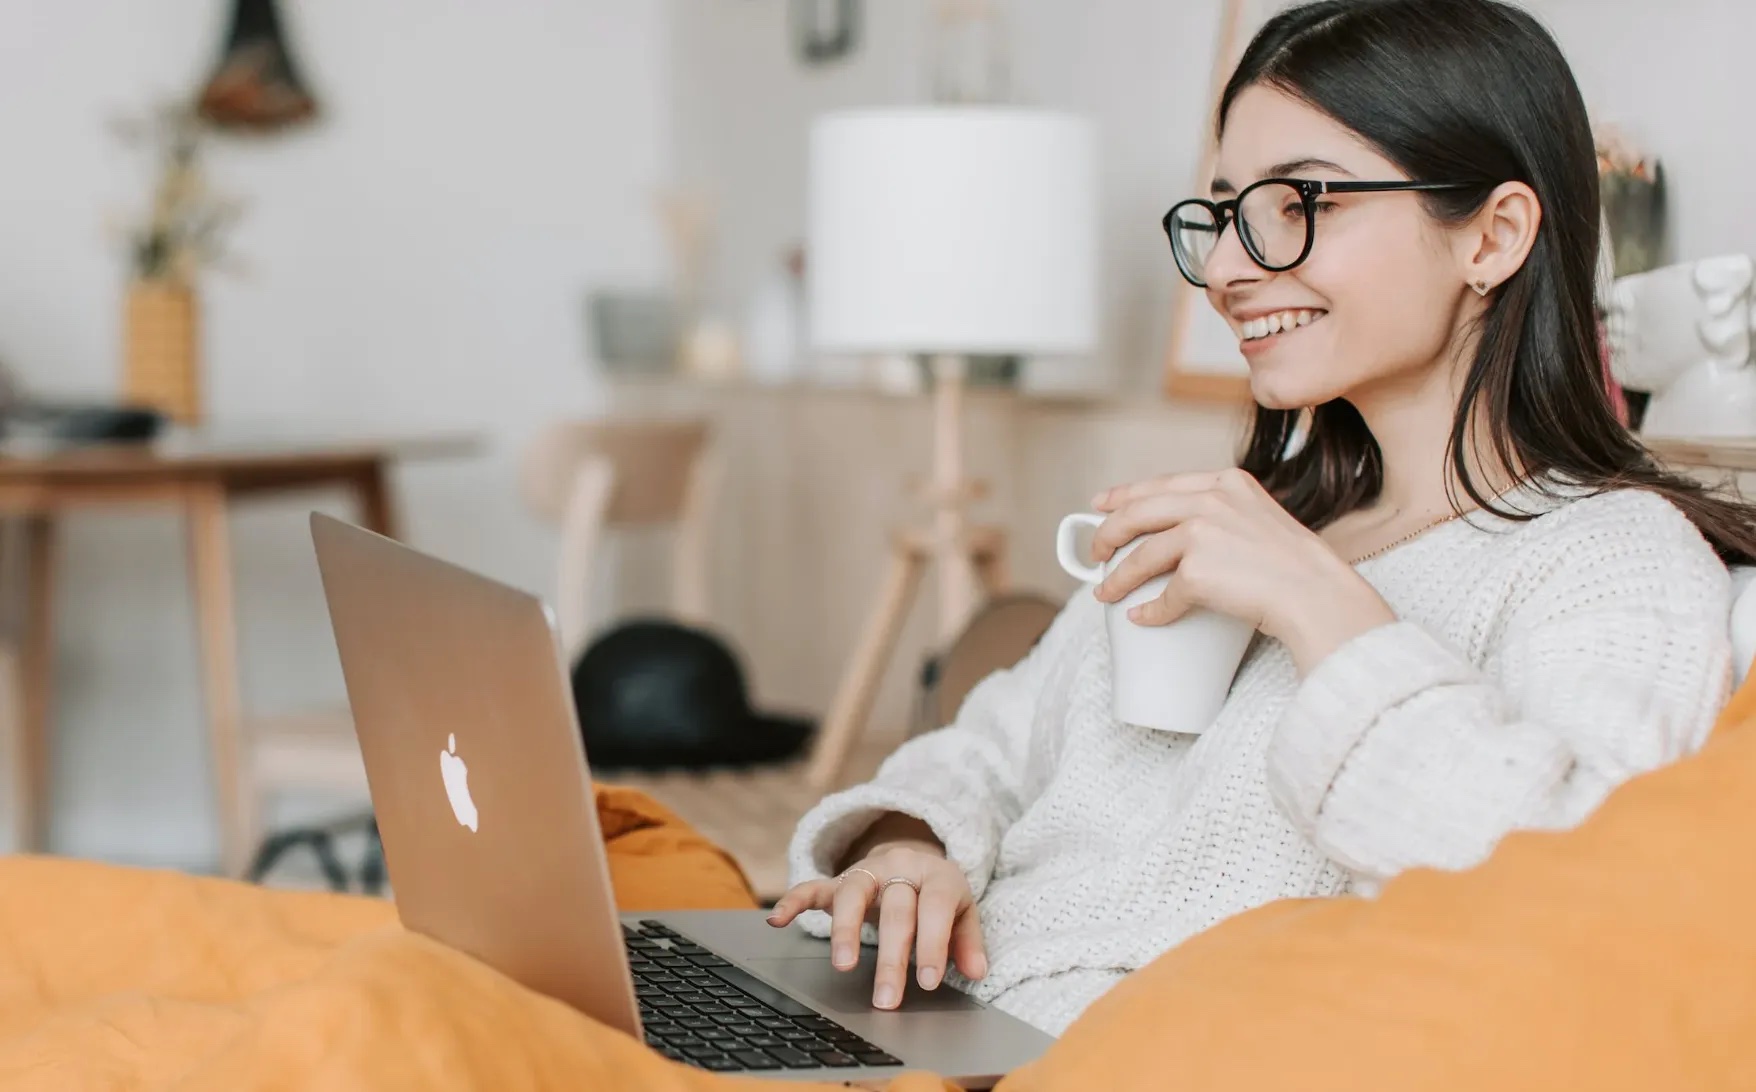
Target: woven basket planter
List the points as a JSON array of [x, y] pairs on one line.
[[162, 350]]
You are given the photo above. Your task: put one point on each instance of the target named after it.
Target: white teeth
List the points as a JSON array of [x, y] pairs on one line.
[[1277, 322]]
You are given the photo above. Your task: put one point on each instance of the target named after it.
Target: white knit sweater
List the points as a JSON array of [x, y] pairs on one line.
[[1534, 666]]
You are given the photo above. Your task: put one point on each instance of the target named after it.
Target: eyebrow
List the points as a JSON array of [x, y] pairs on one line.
[[1291, 168]]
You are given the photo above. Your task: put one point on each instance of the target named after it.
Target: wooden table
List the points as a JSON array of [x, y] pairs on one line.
[[198, 474]]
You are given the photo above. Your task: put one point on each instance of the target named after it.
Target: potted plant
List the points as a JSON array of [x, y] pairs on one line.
[[180, 232], [1631, 186]]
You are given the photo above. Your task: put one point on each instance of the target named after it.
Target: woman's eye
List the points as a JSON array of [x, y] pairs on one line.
[[1325, 206], [1293, 210]]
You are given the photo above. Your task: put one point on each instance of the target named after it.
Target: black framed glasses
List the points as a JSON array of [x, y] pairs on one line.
[[1276, 220]]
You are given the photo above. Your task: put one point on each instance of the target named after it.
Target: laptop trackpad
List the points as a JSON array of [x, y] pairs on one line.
[[814, 980]]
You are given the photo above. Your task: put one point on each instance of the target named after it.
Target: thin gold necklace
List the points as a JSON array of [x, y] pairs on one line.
[[1410, 537]]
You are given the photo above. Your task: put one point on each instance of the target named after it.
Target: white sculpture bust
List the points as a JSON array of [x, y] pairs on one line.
[[1683, 333]]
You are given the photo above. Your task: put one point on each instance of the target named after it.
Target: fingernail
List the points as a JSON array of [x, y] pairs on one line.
[[1135, 614], [980, 967], [885, 997], [774, 918], [844, 956], [929, 977]]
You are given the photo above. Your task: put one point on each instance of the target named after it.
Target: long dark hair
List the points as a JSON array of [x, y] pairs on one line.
[[1472, 91]]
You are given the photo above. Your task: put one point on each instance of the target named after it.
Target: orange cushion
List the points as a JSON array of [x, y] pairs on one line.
[[131, 978], [1618, 955], [659, 862]]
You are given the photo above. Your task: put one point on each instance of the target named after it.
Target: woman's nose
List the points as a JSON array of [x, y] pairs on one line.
[[1230, 264]]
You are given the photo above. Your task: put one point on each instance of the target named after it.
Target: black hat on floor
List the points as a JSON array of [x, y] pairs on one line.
[[657, 694]]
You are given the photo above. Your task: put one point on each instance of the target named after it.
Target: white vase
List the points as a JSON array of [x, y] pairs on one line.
[[774, 330]]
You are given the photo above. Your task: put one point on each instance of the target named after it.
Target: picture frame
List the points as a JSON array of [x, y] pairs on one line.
[[1202, 362]]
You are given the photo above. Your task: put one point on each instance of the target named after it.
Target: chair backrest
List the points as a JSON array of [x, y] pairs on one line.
[[655, 464], [999, 634], [589, 477]]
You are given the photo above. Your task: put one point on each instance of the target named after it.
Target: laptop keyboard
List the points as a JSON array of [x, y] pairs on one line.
[[699, 1009]]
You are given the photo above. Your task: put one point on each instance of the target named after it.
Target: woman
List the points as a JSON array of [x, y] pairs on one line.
[[1481, 604]]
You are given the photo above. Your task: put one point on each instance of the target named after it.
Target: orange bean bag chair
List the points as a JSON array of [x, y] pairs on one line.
[[1615, 956]]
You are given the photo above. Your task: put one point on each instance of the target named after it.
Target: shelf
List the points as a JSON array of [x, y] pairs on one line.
[[1727, 453], [853, 389]]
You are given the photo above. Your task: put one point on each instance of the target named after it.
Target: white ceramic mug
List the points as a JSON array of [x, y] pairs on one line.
[[1174, 678]]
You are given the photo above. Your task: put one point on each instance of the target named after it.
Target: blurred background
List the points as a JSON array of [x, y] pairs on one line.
[[428, 231]]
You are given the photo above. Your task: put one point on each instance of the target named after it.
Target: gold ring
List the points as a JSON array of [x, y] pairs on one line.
[[885, 886], [851, 871]]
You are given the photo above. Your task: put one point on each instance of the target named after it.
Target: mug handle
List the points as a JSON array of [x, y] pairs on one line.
[[1064, 552]]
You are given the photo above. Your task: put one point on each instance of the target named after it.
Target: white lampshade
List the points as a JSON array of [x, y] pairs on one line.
[[952, 230]]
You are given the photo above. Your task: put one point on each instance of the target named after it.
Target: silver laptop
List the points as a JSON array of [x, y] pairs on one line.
[[484, 802]]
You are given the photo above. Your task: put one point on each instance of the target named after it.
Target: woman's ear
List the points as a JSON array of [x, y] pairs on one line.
[[1498, 239]]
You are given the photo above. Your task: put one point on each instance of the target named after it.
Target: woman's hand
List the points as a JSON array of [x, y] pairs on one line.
[[939, 922], [1235, 550]]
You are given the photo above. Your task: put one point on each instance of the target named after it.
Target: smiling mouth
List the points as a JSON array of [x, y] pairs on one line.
[[1281, 322]]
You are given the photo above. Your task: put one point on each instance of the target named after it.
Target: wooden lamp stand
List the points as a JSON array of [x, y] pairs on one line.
[[961, 554]]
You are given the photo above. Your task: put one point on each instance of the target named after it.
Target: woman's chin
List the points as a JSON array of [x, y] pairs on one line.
[[1282, 392]]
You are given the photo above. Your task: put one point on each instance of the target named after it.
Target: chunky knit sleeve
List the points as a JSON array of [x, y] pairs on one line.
[[1398, 751], [968, 781]]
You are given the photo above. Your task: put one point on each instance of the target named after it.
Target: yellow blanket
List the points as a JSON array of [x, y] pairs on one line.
[[116, 978]]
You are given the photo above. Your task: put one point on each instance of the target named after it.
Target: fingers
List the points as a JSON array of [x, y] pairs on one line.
[[1189, 482], [1166, 607], [939, 926], [810, 895], [942, 895], [968, 950], [1148, 516], [848, 913], [1154, 557], [1233, 481], [896, 934]]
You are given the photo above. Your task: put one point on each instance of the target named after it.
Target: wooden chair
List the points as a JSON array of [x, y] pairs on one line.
[[592, 477]]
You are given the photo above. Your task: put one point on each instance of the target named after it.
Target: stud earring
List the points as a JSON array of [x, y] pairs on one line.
[[1481, 288]]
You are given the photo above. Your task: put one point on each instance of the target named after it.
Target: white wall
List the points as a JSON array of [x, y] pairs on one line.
[[420, 258], [1676, 75], [1678, 78]]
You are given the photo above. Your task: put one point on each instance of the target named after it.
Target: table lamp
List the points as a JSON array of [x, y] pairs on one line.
[[944, 232]]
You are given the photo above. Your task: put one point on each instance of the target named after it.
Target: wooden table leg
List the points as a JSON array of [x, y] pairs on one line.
[[34, 682], [210, 576], [377, 508]]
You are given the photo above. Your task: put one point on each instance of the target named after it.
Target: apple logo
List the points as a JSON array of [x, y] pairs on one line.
[[456, 777]]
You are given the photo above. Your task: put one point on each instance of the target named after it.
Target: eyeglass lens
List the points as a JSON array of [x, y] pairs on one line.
[[1271, 225]]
